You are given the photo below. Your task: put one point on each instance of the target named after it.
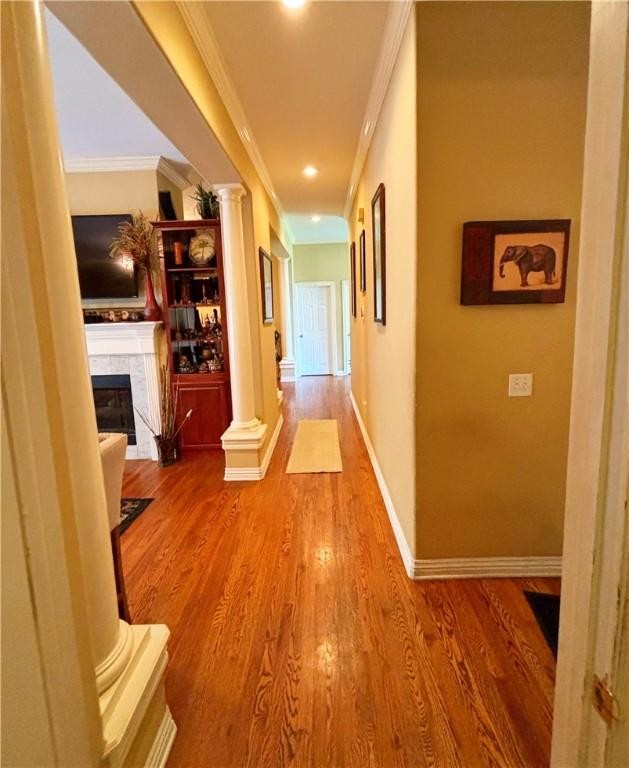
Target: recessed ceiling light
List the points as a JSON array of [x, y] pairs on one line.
[[293, 3], [245, 133], [367, 127], [316, 218], [310, 171]]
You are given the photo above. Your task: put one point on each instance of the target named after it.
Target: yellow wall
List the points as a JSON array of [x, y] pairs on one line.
[[383, 358], [500, 133], [325, 262], [113, 192], [169, 30]]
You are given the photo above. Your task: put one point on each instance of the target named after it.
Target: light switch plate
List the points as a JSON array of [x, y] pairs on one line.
[[520, 384]]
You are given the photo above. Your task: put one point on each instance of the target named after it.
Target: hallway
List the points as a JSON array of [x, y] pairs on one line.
[[297, 638]]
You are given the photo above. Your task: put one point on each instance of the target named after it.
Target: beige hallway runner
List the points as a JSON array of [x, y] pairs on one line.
[[316, 448]]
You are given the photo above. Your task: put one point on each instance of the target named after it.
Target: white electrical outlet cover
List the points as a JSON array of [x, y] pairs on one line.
[[520, 384]]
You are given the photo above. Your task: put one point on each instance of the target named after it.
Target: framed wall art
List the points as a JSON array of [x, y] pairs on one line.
[[362, 248], [266, 283], [515, 262], [352, 272], [378, 225]]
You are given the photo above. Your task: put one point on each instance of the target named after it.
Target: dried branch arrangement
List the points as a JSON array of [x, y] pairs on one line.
[[167, 407], [136, 241]]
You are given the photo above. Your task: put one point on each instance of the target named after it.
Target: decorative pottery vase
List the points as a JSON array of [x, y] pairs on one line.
[[151, 308]]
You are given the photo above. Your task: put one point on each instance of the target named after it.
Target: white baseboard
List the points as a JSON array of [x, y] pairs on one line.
[[163, 743], [341, 373], [257, 473], [405, 552], [486, 567]]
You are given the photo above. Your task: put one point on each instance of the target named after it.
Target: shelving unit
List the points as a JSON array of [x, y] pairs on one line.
[[193, 297]]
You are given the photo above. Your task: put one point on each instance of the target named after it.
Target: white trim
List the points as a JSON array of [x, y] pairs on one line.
[[163, 742], [486, 567], [405, 551], [596, 479], [287, 370], [256, 473], [399, 13], [340, 373], [172, 174], [122, 164], [202, 33], [334, 357]]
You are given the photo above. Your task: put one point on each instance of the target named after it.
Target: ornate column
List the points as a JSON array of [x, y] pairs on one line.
[[49, 386], [245, 437], [287, 363]]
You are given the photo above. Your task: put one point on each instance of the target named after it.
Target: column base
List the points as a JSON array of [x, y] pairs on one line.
[[137, 725], [248, 451], [288, 369]]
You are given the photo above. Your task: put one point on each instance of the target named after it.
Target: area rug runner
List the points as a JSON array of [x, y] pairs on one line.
[[546, 610], [130, 510], [315, 448]]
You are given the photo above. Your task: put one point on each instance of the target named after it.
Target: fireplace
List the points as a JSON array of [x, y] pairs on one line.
[[114, 405]]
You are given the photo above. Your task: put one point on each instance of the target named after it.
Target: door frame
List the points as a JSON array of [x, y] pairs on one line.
[[347, 326], [332, 329], [595, 568]]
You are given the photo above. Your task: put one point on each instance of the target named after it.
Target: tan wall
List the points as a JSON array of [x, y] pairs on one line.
[[325, 262], [167, 26], [113, 192], [383, 358], [501, 112], [166, 185]]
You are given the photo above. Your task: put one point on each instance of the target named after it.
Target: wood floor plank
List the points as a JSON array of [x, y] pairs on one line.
[[297, 638]]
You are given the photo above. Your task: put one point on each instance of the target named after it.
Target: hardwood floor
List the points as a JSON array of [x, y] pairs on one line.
[[297, 638]]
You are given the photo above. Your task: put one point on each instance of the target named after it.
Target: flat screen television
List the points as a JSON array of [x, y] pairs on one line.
[[100, 276]]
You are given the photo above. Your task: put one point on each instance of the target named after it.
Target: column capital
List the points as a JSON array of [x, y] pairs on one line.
[[232, 191]]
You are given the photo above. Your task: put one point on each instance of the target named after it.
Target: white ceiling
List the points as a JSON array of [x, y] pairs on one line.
[[303, 78], [96, 117]]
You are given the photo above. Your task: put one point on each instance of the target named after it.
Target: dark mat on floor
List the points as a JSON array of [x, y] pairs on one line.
[[130, 510], [546, 611]]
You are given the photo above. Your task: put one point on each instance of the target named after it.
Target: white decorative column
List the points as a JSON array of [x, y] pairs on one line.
[[287, 363], [245, 437], [63, 493]]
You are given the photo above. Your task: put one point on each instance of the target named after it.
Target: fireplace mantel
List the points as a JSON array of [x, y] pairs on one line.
[[122, 338], [133, 349]]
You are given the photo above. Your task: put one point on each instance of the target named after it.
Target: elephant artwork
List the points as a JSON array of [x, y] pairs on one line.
[[530, 258]]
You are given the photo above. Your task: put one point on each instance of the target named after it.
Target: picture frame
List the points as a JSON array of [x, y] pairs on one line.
[[515, 262], [378, 228], [363, 262], [266, 285], [352, 272]]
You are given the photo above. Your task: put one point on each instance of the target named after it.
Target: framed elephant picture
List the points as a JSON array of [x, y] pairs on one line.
[[515, 262]]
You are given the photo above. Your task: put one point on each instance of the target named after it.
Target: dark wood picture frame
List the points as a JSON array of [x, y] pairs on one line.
[[352, 272], [378, 231], [266, 286], [363, 261], [483, 268]]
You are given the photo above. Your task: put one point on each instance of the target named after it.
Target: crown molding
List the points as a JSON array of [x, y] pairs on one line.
[[111, 164], [172, 174], [123, 164], [399, 13], [205, 40]]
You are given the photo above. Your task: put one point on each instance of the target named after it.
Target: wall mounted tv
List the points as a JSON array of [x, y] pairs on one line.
[[100, 276]]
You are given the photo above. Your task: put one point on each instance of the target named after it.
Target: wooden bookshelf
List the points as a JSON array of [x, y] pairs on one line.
[[193, 297]]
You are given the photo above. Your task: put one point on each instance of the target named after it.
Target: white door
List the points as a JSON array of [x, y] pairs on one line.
[[347, 342], [314, 343]]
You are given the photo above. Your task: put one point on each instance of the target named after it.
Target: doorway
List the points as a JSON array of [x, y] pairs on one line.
[[316, 328]]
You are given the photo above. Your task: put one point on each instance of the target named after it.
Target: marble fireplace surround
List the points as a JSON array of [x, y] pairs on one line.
[[132, 349]]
